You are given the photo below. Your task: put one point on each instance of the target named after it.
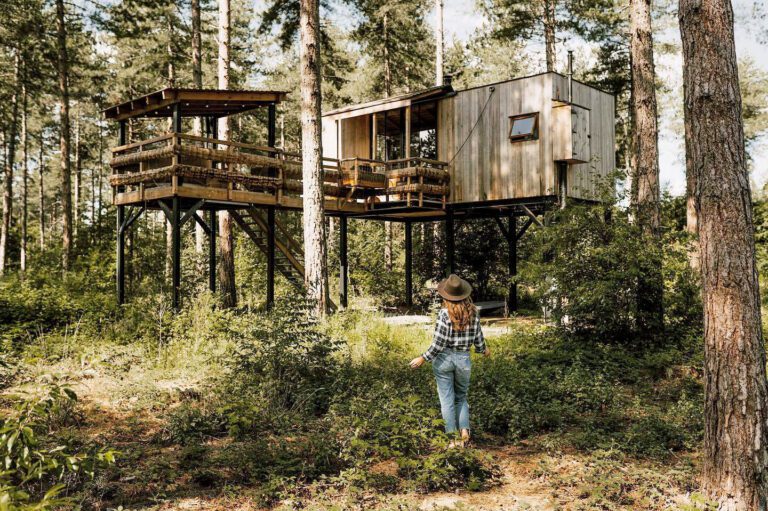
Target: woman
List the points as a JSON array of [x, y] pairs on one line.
[[457, 330]]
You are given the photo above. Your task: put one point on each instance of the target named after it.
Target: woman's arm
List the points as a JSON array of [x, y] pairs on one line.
[[439, 340]]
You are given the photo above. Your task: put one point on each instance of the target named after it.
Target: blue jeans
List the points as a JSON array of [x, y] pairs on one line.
[[452, 369]]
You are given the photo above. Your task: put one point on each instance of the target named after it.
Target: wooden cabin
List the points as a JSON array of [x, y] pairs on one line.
[[528, 140], [508, 150]]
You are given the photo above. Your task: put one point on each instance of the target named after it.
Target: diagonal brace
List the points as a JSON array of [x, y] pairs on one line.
[[129, 221], [524, 228], [191, 212], [201, 223], [531, 215]]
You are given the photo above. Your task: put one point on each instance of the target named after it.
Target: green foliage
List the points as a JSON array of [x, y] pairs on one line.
[[449, 469], [587, 267], [190, 424], [35, 464]]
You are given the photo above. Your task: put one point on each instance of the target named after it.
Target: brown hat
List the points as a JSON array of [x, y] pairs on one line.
[[454, 288]]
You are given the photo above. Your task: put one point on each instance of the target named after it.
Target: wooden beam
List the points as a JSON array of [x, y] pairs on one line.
[[531, 215]]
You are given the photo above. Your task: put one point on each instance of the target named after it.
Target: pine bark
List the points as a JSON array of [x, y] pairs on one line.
[[646, 168], [736, 393], [315, 262], [24, 179], [77, 202], [41, 190], [64, 140], [197, 82], [10, 160], [439, 43], [226, 238], [549, 33]]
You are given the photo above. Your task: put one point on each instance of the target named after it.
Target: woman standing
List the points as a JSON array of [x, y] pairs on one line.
[[457, 330]]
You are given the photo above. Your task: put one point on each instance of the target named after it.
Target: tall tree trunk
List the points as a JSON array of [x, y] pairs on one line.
[[197, 82], [387, 93], [549, 33], [24, 178], [315, 261], [10, 159], [646, 170], [226, 238], [41, 190], [736, 393], [439, 44], [77, 206], [66, 192]]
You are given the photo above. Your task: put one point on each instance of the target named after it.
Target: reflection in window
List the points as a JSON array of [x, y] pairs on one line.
[[424, 130], [390, 135], [524, 127]]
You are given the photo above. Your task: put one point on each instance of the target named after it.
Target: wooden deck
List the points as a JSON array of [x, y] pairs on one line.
[[233, 175]]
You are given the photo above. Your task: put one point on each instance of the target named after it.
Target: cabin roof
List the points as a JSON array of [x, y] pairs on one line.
[[385, 103], [382, 104], [194, 103]]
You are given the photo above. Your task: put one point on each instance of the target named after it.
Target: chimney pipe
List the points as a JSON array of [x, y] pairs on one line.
[[570, 76], [447, 80]]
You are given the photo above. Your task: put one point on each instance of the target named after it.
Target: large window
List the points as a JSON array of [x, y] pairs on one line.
[[390, 135], [524, 127], [424, 130]]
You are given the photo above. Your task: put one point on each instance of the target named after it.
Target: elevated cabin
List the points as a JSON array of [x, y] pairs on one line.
[[532, 140], [507, 151]]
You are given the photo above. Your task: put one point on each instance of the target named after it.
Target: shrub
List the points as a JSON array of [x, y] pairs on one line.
[[190, 424], [450, 469], [35, 463]]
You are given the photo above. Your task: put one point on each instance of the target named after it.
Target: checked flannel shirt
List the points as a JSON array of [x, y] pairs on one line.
[[446, 337]]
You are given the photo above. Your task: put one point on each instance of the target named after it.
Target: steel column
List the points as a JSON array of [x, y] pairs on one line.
[[512, 262], [176, 251], [449, 243], [213, 225], [409, 264], [270, 257], [343, 266], [120, 267], [271, 125], [177, 128]]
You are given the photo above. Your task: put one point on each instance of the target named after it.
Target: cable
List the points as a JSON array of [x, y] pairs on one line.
[[493, 89]]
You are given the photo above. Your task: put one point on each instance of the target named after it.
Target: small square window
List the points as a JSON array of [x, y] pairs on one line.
[[524, 127]]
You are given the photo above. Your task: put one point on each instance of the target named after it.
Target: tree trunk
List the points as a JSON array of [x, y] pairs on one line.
[[736, 394], [77, 206], [197, 82], [439, 44], [226, 238], [646, 170], [24, 179], [315, 263], [66, 192], [41, 190], [549, 33], [10, 159], [387, 93]]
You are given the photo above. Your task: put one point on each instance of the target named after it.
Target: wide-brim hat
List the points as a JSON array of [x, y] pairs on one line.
[[454, 288]]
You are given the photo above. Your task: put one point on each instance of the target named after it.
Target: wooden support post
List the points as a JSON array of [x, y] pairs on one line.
[[213, 225], [271, 124], [408, 264], [343, 268], [176, 251], [270, 257], [449, 243], [512, 262], [177, 128], [120, 273], [122, 133]]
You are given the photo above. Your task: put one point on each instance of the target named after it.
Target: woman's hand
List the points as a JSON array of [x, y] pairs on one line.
[[417, 362], [487, 352]]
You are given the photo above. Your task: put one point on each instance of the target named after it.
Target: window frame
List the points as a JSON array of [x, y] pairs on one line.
[[533, 135]]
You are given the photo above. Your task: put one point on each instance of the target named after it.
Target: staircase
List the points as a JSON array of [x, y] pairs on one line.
[[289, 260]]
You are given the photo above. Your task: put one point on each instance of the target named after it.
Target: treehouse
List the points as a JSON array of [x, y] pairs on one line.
[[506, 151]]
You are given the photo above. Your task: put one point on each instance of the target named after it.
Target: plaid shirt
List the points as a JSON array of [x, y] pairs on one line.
[[446, 337]]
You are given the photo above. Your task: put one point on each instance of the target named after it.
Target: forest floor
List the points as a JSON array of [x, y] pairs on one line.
[[127, 410]]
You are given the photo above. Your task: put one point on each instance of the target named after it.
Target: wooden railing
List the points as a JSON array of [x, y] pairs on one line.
[[219, 163]]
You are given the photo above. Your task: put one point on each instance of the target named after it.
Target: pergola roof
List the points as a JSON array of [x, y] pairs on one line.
[[194, 103]]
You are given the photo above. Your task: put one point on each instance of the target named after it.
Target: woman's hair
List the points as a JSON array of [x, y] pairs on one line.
[[461, 313]]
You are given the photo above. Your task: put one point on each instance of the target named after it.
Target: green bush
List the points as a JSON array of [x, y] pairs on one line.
[[35, 463], [189, 424], [450, 469]]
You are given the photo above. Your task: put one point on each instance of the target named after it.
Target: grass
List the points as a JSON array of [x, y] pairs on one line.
[[559, 426]]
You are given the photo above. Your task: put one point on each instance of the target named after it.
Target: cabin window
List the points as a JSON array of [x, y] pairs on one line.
[[424, 130], [390, 135], [524, 127]]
